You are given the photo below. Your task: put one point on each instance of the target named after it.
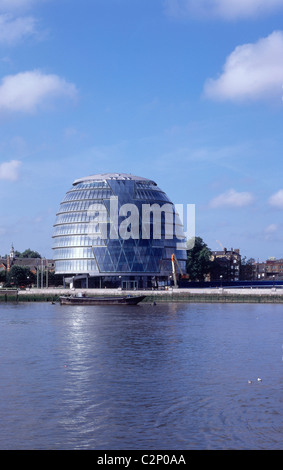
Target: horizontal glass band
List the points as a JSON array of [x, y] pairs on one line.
[[77, 241], [71, 229], [76, 266], [73, 253], [88, 194], [91, 184]]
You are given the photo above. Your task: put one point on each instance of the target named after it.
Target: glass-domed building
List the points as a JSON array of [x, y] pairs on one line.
[[117, 230]]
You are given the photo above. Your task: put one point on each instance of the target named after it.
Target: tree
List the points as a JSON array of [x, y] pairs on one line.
[[3, 276], [198, 260], [25, 254], [247, 269], [20, 276], [29, 254]]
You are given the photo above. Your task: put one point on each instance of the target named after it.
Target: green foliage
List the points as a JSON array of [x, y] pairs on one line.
[[20, 276], [198, 260], [29, 254], [25, 254], [3, 276], [247, 268]]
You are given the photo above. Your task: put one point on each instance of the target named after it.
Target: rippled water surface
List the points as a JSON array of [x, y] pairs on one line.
[[170, 376]]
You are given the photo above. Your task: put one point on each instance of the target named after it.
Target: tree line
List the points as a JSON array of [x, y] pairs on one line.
[[28, 253], [22, 276]]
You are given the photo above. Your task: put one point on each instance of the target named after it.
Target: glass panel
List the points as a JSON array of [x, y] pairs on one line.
[[88, 194]]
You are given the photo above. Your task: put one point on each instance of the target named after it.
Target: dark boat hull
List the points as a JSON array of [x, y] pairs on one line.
[[120, 300]]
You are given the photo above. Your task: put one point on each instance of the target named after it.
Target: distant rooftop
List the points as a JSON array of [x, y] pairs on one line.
[[112, 176]]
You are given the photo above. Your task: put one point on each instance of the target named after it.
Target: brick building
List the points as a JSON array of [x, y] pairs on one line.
[[226, 265], [271, 269]]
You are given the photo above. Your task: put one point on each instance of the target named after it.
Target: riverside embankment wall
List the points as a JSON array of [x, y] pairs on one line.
[[208, 295]]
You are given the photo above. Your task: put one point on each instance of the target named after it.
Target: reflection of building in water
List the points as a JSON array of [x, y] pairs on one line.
[[91, 252]]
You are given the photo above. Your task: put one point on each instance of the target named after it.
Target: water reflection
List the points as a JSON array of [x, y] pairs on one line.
[[171, 376], [120, 361]]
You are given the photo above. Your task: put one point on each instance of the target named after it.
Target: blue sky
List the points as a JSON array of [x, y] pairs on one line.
[[185, 92]]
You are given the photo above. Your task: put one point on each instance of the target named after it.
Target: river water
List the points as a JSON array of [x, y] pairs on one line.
[[169, 376]]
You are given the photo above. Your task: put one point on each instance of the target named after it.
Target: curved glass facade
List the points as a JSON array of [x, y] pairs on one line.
[[116, 225]]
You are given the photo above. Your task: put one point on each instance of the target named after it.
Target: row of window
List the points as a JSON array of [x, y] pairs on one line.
[[73, 217], [89, 185], [71, 229], [65, 250], [91, 225], [104, 184], [73, 253], [77, 266], [146, 185], [75, 206], [144, 194], [147, 194], [88, 194], [78, 241], [89, 231], [114, 251]]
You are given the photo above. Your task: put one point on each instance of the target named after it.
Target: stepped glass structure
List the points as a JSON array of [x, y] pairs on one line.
[[117, 230]]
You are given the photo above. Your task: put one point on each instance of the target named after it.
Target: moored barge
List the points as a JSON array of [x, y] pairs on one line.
[[84, 300]]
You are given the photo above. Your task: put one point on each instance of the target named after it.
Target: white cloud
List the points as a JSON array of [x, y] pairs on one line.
[[232, 198], [12, 5], [271, 228], [276, 200], [13, 29], [251, 72], [224, 9], [10, 170], [13, 25], [27, 91]]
